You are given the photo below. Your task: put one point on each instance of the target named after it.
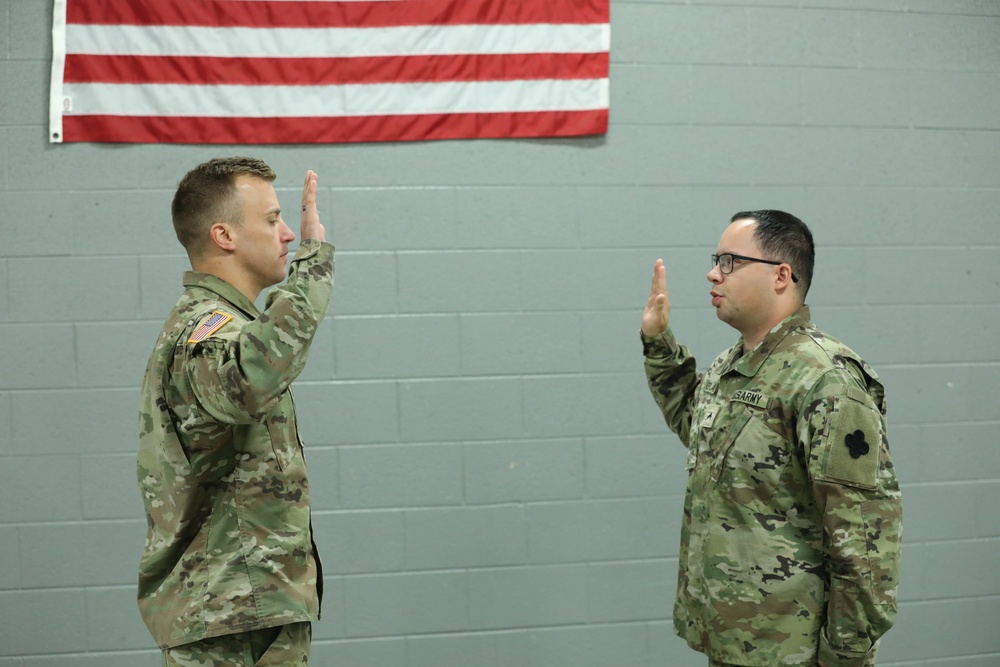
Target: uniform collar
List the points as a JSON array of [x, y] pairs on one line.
[[749, 362], [224, 290]]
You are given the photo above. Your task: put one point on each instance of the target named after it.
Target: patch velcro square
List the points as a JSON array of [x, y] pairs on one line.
[[855, 440]]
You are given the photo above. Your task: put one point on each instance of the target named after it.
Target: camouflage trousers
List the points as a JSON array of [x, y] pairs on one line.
[[283, 646], [716, 663]]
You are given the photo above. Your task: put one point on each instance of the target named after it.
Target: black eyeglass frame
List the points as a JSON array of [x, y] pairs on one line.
[[716, 262]]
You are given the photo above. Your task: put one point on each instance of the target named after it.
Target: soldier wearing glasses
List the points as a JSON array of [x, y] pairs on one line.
[[790, 540]]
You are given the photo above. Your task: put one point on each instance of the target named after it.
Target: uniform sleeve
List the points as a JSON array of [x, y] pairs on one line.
[[858, 496], [239, 374], [673, 378]]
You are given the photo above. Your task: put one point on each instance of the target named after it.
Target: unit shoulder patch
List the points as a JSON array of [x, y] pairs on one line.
[[215, 321], [857, 444], [853, 442]]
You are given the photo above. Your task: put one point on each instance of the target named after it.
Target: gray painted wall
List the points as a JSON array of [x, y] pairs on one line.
[[493, 485]]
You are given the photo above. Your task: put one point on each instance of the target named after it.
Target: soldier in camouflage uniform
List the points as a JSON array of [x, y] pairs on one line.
[[229, 573], [790, 541]]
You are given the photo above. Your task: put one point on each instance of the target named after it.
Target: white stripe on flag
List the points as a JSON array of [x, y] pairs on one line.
[[58, 104], [345, 100], [421, 40]]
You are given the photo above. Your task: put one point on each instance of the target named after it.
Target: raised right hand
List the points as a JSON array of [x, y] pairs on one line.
[[311, 226], [657, 313]]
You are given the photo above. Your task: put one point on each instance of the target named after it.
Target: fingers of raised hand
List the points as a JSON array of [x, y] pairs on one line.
[[309, 189]]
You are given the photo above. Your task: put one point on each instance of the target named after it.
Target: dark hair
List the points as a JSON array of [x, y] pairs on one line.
[[207, 194], [784, 238]]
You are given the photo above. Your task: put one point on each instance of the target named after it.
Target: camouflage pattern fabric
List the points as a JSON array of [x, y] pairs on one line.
[[790, 541], [221, 467], [290, 648]]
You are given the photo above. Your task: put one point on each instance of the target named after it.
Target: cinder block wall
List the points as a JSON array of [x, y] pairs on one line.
[[493, 485]]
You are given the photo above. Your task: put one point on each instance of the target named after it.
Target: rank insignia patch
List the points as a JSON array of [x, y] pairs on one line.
[[210, 326]]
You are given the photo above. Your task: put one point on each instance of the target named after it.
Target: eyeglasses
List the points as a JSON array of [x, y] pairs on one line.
[[725, 262]]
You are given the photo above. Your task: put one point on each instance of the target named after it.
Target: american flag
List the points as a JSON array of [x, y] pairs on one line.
[[314, 71], [211, 325]]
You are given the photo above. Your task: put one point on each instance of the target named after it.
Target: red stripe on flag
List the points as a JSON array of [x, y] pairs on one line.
[[170, 129], [284, 14], [332, 71]]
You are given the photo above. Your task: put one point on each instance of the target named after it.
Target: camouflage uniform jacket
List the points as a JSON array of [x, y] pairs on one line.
[[221, 469], [790, 539]]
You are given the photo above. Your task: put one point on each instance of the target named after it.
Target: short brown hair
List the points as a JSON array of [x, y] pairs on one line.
[[207, 193]]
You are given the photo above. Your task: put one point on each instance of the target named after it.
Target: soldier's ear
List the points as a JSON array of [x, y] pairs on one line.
[[223, 236], [783, 277]]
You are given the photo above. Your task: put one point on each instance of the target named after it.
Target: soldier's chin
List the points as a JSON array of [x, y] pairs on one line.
[[723, 316]]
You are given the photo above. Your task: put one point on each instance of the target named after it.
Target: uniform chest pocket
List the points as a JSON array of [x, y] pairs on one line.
[[750, 464], [701, 427]]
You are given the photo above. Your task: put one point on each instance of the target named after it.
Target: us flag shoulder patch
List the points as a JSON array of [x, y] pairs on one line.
[[211, 325]]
